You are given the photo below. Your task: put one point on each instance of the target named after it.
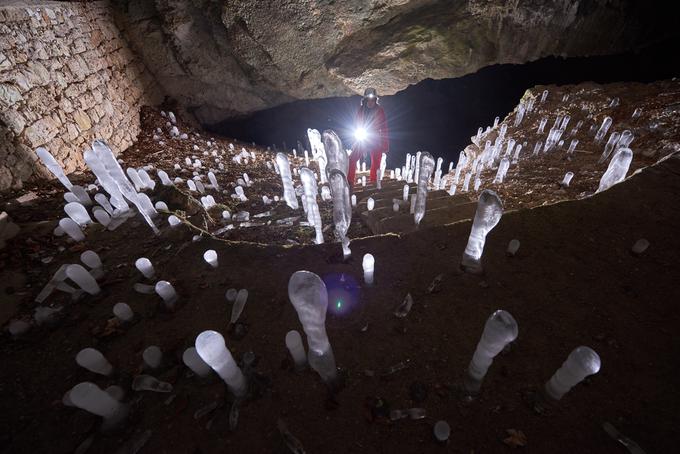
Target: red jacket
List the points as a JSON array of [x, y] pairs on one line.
[[375, 123]]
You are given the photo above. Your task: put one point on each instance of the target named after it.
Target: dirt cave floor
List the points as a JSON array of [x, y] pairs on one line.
[[573, 282]]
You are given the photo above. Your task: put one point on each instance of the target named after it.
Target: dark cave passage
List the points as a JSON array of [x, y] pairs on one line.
[[439, 116]]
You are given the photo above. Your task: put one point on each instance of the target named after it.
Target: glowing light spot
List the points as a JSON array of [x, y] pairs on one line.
[[360, 134], [339, 304]]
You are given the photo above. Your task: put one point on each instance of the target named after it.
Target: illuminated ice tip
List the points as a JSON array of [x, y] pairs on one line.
[[313, 214], [425, 171], [500, 329], [212, 349], [123, 312], [618, 167], [231, 295], [513, 247], [489, 212], [296, 349], [93, 399], [83, 278], [173, 221], [308, 294], [77, 212], [405, 192], [53, 166], [581, 362], [288, 190], [370, 204], [239, 305], [567, 179], [354, 200], [606, 123], [193, 361], [93, 262], [368, 263], [92, 360], [640, 246], [153, 356], [210, 257], [145, 267], [166, 291]]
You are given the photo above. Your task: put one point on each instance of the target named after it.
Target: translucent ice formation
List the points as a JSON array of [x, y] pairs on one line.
[[640, 246], [53, 166], [500, 329], [296, 349], [123, 312], [609, 147], [111, 176], [210, 257], [313, 214], [213, 180], [335, 155], [231, 295], [153, 356], [174, 221], [368, 264], [93, 262], [93, 399], [239, 304], [502, 169], [145, 267], [489, 212], [466, 181], [287, 180], [92, 360], [618, 167], [77, 212], [166, 291], [370, 204], [193, 361], [342, 207], [567, 179], [581, 362], [135, 178], [212, 349], [426, 167], [83, 278], [309, 296], [513, 247], [442, 431], [165, 179], [606, 123]]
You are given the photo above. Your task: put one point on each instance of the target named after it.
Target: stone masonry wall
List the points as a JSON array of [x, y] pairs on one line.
[[67, 76]]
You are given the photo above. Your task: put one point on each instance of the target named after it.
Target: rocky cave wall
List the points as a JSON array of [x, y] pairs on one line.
[[223, 58], [67, 76]]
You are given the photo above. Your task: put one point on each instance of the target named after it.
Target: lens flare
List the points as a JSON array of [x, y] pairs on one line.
[[343, 293], [360, 134]]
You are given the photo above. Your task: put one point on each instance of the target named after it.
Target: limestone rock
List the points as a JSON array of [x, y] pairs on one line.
[[222, 58]]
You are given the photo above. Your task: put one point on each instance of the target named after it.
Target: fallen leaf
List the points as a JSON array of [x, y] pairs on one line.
[[516, 438]]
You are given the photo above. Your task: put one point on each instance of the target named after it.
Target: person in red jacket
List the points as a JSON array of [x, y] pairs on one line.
[[371, 135]]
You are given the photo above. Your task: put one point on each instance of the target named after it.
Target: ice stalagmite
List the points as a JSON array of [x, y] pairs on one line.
[[212, 349], [618, 167], [342, 208], [583, 361], [109, 173], [606, 123], [567, 179], [53, 166], [309, 296], [502, 170], [613, 140], [296, 349], [489, 212], [82, 277], [336, 156], [313, 214], [288, 190], [93, 399], [425, 171], [318, 152], [500, 329]]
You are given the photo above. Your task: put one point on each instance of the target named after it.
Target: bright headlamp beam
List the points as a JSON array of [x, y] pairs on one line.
[[360, 134]]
